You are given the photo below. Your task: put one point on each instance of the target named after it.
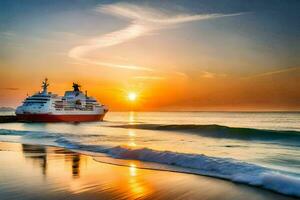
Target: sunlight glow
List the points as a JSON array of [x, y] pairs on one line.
[[131, 133], [132, 169], [132, 96], [131, 117], [132, 144]]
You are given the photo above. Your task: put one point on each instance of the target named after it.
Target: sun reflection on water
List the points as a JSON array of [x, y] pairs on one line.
[[132, 117], [132, 169], [131, 135], [132, 144], [137, 187]]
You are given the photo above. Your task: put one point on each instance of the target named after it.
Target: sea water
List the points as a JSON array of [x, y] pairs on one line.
[[255, 148]]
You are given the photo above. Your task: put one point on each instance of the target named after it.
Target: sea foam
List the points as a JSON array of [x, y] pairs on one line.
[[224, 168]]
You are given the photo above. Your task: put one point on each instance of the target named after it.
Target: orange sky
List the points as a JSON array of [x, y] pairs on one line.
[[172, 59]]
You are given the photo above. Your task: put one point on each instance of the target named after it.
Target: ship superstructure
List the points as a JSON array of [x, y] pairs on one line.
[[74, 106]]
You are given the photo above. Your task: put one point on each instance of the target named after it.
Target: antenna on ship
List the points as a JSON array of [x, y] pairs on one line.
[[86, 94], [45, 86]]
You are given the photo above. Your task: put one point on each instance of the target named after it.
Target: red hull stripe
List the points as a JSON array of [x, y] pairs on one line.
[[59, 118]]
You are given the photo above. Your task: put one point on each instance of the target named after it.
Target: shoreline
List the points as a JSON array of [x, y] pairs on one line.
[[120, 181]]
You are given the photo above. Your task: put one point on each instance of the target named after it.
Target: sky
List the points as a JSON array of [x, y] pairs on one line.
[[202, 55]]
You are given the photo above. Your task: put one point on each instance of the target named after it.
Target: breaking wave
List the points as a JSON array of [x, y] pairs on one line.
[[225, 168], [218, 131]]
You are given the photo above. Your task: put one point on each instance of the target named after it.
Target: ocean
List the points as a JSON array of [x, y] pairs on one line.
[[261, 149]]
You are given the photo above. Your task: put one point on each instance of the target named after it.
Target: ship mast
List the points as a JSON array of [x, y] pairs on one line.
[[45, 86]]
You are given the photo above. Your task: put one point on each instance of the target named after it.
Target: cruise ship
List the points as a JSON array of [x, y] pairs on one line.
[[74, 106]]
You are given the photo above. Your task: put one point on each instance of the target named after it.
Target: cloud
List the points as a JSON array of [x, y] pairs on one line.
[[143, 20], [10, 88], [206, 74], [154, 16], [149, 77], [7, 34], [274, 72], [108, 40]]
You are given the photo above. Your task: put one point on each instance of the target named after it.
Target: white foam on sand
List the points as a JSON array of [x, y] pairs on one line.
[[225, 168]]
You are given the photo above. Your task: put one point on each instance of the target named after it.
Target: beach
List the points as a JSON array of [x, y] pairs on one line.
[[44, 172]]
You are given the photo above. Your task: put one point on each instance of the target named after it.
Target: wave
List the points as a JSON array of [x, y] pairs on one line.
[[44, 134], [218, 131], [225, 168]]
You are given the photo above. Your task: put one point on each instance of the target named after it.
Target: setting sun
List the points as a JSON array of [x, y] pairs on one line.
[[132, 96]]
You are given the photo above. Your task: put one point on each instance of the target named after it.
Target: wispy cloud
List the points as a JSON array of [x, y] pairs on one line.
[[7, 34], [10, 88], [144, 20], [149, 77], [280, 71], [206, 74], [154, 16]]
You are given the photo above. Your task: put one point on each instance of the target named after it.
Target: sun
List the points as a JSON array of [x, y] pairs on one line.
[[132, 96]]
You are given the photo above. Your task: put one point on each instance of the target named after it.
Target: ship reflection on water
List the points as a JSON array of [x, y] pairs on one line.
[[37, 154], [76, 172], [40, 156], [76, 165]]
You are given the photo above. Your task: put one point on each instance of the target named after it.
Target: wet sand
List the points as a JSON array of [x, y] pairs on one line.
[[40, 172]]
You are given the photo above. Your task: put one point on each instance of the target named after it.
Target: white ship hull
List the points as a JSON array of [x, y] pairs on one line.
[[74, 106]]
